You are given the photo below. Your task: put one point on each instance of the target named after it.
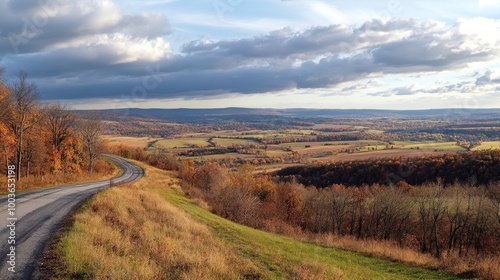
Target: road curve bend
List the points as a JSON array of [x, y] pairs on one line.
[[39, 213]]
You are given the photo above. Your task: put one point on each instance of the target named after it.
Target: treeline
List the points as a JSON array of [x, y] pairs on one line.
[[432, 219], [208, 151], [159, 158], [458, 219], [481, 167], [42, 139]]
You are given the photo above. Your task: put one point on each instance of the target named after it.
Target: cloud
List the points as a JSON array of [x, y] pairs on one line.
[[405, 90], [93, 49], [371, 84], [489, 77], [34, 27], [487, 83]]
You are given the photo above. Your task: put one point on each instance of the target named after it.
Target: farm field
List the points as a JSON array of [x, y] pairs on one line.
[[188, 142], [445, 146], [252, 151], [487, 145], [306, 144], [134, 142], [382, 154], [225, 142]]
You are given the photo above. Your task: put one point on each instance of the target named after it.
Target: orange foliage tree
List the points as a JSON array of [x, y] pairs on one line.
[[43, 139]]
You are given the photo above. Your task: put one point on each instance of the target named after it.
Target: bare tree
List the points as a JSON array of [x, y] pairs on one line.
[[24, 112], [90, 130], [494, 193], [431, 210]]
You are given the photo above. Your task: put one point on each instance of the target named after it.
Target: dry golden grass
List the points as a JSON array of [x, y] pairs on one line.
[[379, 249], [484, 267], [130, 232], [488, 268]]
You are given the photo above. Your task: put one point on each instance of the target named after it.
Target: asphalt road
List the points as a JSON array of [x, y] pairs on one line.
[[39, 213]]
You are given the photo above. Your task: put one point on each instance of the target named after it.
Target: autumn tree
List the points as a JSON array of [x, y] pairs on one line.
[[289, 202], [72, 154], [4, 100], [24, 114], [34, 152], [7, 145], [60, 121], [187, 171], [90, 131]]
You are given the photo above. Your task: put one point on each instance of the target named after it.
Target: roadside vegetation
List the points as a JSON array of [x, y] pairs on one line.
[[102, 170], [150, 230], [131, 232], [49, 144]]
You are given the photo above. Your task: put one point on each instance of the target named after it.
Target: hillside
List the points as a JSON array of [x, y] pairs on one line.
[[224, 115], [150, 230]]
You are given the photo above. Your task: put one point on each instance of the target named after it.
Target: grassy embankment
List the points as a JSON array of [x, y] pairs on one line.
[[150, 230]]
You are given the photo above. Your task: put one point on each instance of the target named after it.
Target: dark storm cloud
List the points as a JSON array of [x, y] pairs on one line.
[[95, 50]]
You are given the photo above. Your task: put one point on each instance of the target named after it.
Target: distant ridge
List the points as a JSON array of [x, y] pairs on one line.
[[185, 115]]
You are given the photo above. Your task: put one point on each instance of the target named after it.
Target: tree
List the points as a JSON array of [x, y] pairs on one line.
[[5, 108], [72, 154], [431, 209], [34, 152], [59, 120], [289, 202], [90, 130], [187, 171], [7, 145], [24, 112]]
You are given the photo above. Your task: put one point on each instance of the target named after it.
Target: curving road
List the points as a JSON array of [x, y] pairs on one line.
[[40, 212]]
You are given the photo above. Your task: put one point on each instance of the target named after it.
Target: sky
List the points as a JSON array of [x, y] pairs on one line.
[[335, 54]]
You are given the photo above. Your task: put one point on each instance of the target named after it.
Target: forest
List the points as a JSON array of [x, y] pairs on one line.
[[45, 139], [461, 218], [479, 167]]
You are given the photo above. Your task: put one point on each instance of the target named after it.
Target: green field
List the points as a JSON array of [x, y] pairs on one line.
[[446, 146], [182, 143], [488, 145], [224, 142]]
